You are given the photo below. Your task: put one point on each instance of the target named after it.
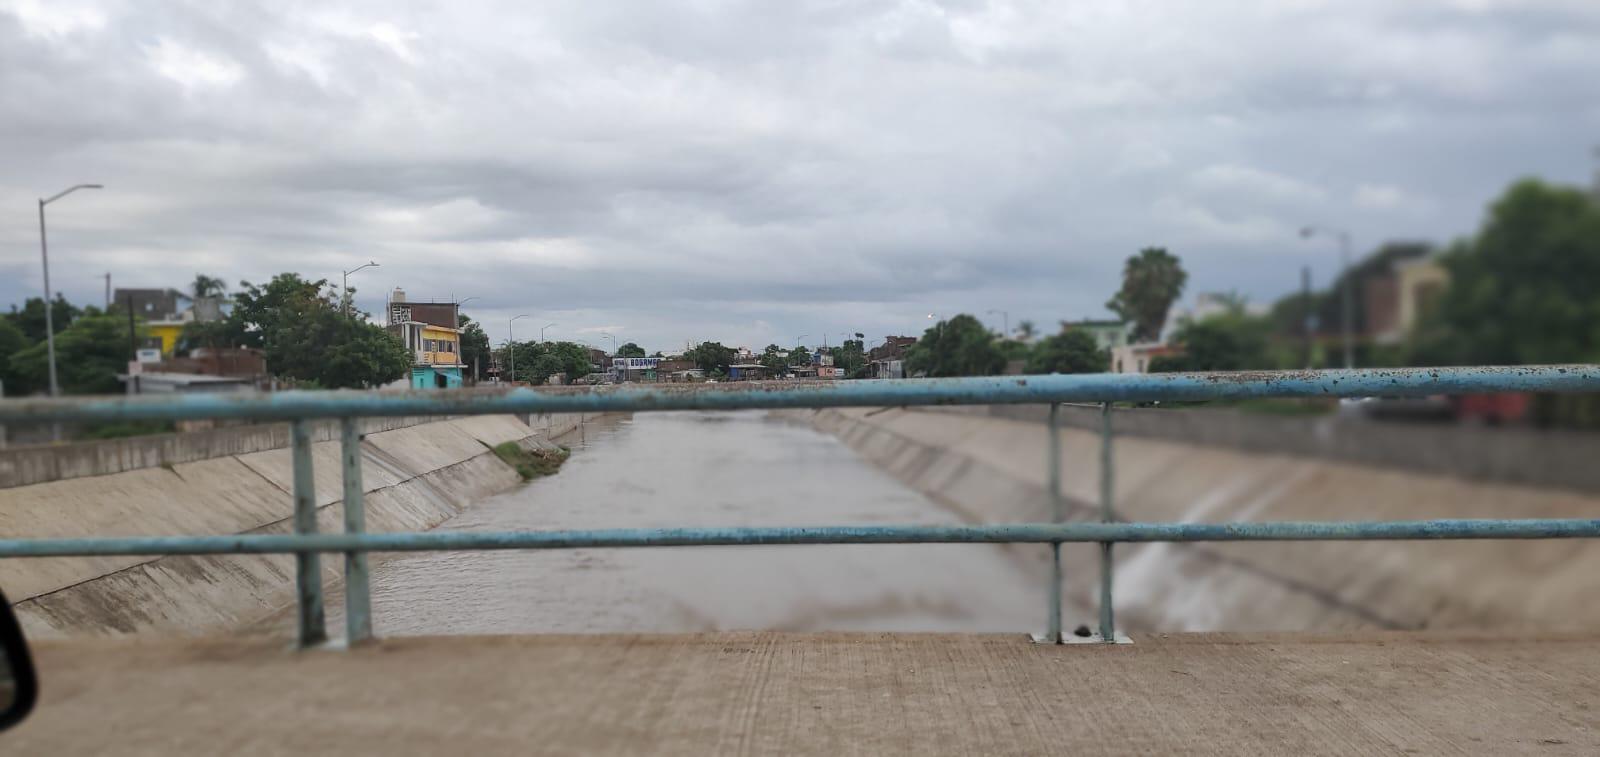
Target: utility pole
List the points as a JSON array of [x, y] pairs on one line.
[[1308, 317], [133, 342], [108, 290], [49, 319], [1346, 287], [1347, 298], [511, 348], [344, 291], [133, 349]]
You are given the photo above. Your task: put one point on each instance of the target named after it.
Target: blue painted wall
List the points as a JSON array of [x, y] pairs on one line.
[[427, 377]]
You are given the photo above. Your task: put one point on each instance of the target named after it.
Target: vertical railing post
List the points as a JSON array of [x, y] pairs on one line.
[[1108, 624], [357, 590], [1057, 515], [308, 568]]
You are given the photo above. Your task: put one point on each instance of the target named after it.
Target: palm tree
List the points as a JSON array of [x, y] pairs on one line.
[[1151, 282], [206, 286], [1026, 330]]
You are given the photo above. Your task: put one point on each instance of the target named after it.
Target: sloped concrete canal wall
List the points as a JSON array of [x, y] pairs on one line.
[[415, 477]]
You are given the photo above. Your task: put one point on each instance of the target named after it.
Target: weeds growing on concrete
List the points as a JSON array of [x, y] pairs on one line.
[[531, 464]]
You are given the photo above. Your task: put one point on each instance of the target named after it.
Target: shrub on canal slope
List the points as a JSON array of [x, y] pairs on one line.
[[531, 464]]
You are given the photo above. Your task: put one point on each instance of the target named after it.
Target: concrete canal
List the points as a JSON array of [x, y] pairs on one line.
[[704, 469]]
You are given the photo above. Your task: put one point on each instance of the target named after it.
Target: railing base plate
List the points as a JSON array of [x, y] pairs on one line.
[[1072, 638]]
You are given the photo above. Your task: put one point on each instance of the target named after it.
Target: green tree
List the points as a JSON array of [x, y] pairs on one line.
[[519, 358], [12, 342], [1071, 351], [536, 362], [30, 319], [259, 312], [1151, 282], [474, 346], [1026, 330], [799, 356], [711, 357], [571, 358], [207, 334], [306, 336], [1524, 289], [960, 346], [1013, 349], [851, 357], [630, 350], [207, 286], [326, 348], [1231, 341], [89, 355], [775, 359]]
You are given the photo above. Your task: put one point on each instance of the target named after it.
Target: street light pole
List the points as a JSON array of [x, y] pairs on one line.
[[49, 318], [1346, 287], [476, 358], [344, 291], [511, 348], [541, 331], [614, 349], [459, 303]]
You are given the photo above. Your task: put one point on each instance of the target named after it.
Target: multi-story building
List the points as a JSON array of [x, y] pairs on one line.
[[165, 312], [888, 359], [1395, 299], [432, 332], [1108, 335]]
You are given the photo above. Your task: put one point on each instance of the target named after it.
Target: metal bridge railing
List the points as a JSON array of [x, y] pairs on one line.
[[300, 408]]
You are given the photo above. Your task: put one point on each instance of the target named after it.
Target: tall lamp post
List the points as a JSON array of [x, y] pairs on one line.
[[345, 290], [49, 318], [511, 347], [459, 303], [541, 331], [475, 358], [1346, 294], [613, 367]]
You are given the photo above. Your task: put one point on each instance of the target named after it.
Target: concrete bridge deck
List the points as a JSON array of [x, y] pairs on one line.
[[771, 693]]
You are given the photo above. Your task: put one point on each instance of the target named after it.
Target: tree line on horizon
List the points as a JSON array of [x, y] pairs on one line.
[[1522, 291]]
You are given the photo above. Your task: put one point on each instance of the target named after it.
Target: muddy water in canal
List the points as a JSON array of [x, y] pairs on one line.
[[706, 469]]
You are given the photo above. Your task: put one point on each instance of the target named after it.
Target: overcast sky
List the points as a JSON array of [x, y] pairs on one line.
[[751, 172]]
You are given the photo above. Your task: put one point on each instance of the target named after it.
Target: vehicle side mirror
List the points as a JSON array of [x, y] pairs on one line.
[[19, 689]]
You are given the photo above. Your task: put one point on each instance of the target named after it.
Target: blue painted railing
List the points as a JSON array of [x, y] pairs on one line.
[[301, 407]]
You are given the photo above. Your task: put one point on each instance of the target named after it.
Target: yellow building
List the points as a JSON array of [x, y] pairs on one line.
[[430, 331], [164, 311], [167, 332], [441, 346]]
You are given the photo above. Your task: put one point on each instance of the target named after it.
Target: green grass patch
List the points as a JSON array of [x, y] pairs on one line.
[[531, 464]]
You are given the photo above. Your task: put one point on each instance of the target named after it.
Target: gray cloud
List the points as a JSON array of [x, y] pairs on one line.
[[752, 171]]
